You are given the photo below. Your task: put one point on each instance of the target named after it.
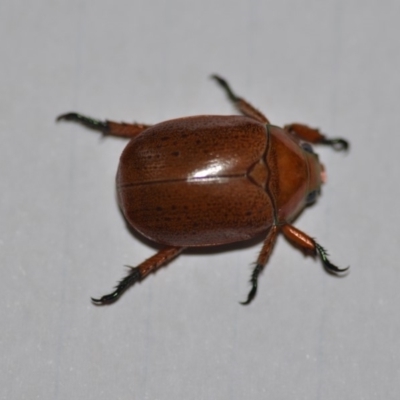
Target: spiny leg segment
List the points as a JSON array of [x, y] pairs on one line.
[[313, 135], [302, 131], [136, 274], [331, 268], [309, 245], [261, 261], [299, 239], [107, 128], [242, 105]]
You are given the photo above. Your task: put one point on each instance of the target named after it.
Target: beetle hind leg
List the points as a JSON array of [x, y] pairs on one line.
[[313, 135], [242, 105], [138, 273], [107, 128], [261, 261]]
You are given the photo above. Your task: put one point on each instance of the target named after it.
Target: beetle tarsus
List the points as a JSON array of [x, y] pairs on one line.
[[86, 121], [241, 105], [133, 277], [222, 82], [333, 269], [254, 282], [337, 144]]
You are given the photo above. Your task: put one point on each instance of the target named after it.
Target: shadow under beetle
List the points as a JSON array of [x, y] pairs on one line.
[[210, 180]]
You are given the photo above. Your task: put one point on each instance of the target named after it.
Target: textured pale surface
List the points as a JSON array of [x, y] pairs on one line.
[[181, 334]]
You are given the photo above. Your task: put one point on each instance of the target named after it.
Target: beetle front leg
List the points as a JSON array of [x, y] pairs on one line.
[[136, 274], [107, 128], [309, 245], [242, 105], [313, 135], [261, 261]]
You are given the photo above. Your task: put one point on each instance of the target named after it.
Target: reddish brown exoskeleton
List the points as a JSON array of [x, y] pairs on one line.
[[211, 180]]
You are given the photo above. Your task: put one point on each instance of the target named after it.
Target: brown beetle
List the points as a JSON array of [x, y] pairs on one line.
[[211, 180]]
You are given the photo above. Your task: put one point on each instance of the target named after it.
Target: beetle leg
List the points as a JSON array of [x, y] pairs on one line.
[[108, 128], [261, 261], [242, 105], [309, 245], [313, 135], [136, 274]]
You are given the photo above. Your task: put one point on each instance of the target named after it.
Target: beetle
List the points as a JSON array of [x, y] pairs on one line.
[[211, 180]]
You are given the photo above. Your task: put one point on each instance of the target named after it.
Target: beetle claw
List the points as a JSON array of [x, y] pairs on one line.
[[254, 282], [107, 299], [96, 301], [331, 268], [250, 296], [337, 144], [88, 122], [222, 82], [133, 277]]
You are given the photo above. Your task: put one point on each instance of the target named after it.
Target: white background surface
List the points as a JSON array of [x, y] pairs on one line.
[[181, 333]]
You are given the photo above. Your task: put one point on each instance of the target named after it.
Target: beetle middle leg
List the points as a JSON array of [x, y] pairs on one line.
[[107, 128], [313, 135], [309, 245], [242, 105], [261, 261], [136, 274]]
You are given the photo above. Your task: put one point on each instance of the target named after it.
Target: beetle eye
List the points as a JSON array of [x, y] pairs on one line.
[[307, 147], [311, 197]]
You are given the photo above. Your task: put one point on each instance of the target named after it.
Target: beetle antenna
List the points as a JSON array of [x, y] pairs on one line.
[[254, 282], [133, 277], [323, 254]]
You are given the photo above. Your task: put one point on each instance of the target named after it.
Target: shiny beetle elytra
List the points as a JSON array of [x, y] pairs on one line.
[[210, 180]]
